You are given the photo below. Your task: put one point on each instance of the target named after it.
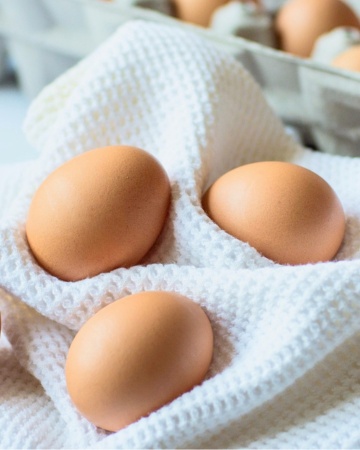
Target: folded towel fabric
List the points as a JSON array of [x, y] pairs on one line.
[[285, 371]]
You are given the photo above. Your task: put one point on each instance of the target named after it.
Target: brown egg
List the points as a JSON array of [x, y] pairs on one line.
[[348, 60], [136, 355], [288, 213], [300, 22], [198, 12], [102, 210]]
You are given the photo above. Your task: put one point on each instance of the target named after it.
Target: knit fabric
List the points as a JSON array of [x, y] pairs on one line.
[[286, 364]]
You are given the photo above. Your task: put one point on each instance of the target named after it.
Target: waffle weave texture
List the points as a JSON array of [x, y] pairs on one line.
[[286, 370]]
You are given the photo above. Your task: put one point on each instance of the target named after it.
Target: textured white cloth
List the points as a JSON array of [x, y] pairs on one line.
[[286, 366]]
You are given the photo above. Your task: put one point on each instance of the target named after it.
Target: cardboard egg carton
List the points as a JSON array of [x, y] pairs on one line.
[[46, 37]]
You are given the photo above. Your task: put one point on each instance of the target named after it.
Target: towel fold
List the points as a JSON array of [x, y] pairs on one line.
[[286, 369]]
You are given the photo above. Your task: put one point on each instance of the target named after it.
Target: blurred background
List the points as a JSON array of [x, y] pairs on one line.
[[41, 39], [13, 107]]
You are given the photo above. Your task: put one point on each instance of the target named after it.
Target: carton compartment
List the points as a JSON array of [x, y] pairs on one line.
[[333, 107]]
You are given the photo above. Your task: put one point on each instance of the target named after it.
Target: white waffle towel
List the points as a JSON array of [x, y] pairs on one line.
[[286, 367]]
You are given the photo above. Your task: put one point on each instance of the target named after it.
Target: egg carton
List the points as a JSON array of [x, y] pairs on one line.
[[46, 37]]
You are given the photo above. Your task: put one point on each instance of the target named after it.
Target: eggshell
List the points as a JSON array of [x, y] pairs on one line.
[[197, 11], [288, 213], [348, 60], [136, 355], [300, 22], [102, 210]]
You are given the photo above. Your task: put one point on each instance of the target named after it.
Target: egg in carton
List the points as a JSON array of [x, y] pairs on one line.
[[326, 111], [274, 5], [318, 102], [331, 102]]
